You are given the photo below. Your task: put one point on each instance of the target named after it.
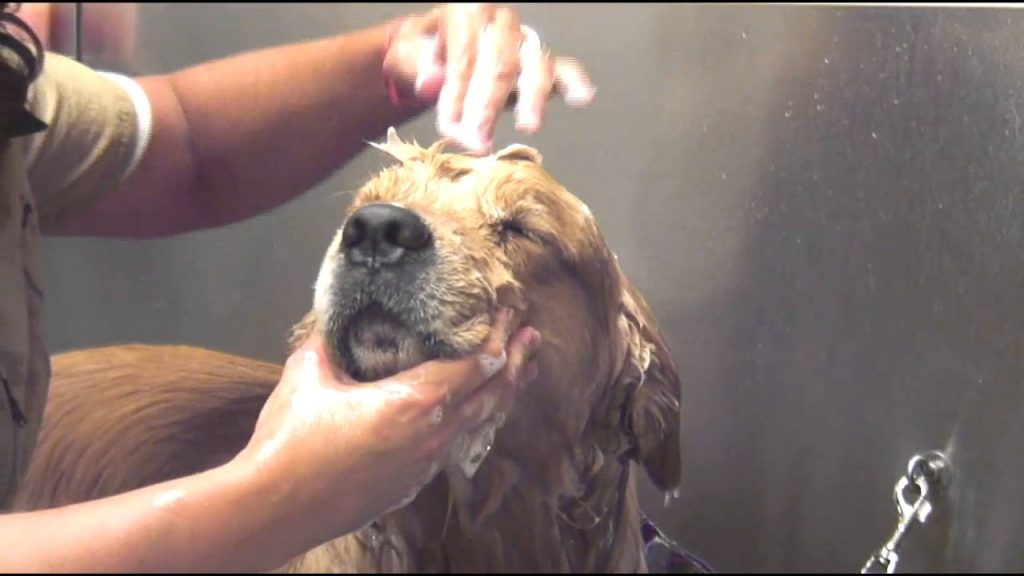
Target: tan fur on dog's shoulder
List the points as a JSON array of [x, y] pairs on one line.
[[209, 400]]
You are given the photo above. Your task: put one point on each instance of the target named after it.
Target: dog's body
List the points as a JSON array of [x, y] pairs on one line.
[[429, 248]]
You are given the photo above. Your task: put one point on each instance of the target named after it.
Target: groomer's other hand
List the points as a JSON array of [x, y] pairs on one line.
[[468, 58], [348, 452]]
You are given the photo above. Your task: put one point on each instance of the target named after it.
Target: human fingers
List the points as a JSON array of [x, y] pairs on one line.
[[573, 82], [494, 79], [446, 383], [495, 398], [483, 413], [535, 83], [312, 356], [462, 25]]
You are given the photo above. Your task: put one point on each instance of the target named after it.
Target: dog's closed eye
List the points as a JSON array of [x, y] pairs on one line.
[[512, 228]]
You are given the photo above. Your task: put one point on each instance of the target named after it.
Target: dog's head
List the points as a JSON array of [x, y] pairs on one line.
[[432, 245]]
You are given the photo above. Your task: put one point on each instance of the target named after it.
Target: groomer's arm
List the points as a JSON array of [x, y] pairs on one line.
[[236, 137], [214, 521]]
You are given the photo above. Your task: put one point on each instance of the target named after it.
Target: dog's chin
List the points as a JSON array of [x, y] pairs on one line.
[[375, 344]]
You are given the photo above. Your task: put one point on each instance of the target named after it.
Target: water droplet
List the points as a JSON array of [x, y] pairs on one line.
[[826, 59], [788, 113], [819, 107], [724, 176], [816, 96], [743, 34], [874, 135], [670, 496], [376, 537]]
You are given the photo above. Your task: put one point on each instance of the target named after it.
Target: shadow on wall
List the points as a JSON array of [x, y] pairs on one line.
[[875, 311]]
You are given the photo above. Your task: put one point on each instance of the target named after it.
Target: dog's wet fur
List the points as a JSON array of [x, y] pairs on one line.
[[428, 250]]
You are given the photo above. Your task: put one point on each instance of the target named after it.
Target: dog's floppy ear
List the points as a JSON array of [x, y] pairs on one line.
[[652, 411]]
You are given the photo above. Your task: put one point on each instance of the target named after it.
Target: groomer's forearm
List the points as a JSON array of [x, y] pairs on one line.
[[245, 134], [215, 521], [269, 125]]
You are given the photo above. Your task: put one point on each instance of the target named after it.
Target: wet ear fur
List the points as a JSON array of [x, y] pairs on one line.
[[652, 410]]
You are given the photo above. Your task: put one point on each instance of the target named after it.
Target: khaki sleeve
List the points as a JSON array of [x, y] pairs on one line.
[[90, 144]]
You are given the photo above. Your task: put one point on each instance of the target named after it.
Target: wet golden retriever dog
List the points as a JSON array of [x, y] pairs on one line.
[[453, 236]]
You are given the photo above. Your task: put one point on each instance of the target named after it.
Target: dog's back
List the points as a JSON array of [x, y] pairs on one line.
[[124, 417]]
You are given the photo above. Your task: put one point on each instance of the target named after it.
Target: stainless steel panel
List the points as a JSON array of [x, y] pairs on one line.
[[823, 204]]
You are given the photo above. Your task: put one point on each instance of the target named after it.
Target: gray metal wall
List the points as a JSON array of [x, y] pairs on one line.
[[823, 205]]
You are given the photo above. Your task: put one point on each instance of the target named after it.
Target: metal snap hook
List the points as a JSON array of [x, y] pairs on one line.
[[926, 472]]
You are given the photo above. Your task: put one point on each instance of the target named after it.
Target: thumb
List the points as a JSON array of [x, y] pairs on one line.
[[312, 360], [430, 69], [429, 81]]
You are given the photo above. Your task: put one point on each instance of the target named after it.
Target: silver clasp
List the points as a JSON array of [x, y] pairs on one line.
[[912, 494]]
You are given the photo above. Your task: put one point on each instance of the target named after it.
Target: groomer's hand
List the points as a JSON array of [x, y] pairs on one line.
[[344, 453], [469, 58]]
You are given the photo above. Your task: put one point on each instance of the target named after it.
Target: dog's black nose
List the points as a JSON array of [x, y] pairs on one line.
[[382, 234]]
